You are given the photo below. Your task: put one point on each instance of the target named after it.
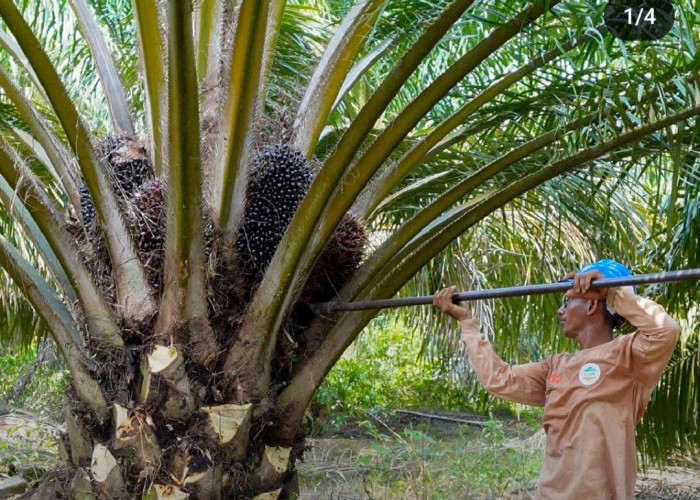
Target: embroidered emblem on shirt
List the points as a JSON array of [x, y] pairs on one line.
[[554, 378], [589, 374]]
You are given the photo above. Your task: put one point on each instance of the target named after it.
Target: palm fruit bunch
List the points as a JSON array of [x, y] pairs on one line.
[[87, 207], [146, 217], [338, 262], [342, 255], [280, 179], [340, 259], [130, 167], [150, 214], [130, 164]]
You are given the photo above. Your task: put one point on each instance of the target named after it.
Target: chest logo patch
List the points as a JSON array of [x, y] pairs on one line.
[[589, 374]]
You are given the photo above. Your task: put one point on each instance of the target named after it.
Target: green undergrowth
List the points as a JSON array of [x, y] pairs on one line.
[[419, 466], [43, 394], [28, 446], [380, 372], [28, 431], [411, 464], [385, 370]]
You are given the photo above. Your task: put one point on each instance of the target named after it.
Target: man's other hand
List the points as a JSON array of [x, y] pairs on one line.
[[443, 301], [581, 287]]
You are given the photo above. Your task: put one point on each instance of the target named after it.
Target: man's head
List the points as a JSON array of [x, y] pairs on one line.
[[577, 315], [581, 317]]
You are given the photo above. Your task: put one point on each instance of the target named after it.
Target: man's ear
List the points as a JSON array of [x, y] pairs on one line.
[[593, 306]]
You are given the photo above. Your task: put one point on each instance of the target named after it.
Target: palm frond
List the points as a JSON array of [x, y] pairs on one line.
[[184, 244], [114, 90]]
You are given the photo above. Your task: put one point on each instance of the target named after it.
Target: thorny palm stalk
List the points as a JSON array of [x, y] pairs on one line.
[[193, 351]]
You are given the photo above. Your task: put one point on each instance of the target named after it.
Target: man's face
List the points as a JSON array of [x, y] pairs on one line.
[[573, 315]]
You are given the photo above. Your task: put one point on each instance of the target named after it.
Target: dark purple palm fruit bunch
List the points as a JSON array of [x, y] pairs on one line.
[[130, 164], [130, 167], [150, 212], [147, 224], [87, 207], [280, 179]]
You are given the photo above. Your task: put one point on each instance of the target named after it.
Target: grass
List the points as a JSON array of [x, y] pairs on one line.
[[28, 445], [495, 462]]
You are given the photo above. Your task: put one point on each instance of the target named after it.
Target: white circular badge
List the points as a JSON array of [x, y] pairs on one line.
[[589, 374]]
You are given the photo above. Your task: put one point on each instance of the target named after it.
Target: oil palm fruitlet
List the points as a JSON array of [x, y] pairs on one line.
[[181, 179]]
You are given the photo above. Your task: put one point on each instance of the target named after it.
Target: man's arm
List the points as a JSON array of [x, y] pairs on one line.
[[656, 334], [519, 383]]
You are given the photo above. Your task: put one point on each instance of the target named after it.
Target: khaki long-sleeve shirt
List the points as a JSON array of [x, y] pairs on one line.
[[592, 399]]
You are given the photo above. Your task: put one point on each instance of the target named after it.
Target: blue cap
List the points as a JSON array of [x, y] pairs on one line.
[[609, 269]]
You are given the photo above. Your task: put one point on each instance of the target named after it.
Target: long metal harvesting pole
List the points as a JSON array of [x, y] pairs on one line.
[[514, 291]]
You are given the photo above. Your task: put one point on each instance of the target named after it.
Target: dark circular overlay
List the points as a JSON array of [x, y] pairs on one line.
[[639, 19]]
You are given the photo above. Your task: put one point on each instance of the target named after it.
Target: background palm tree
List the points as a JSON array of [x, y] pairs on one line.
[[171, 229]]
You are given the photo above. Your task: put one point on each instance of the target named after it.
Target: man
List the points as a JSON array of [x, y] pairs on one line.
[[592, 398]]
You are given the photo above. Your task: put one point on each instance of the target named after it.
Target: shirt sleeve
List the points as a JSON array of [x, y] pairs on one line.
[[518, 383], [656, 335]]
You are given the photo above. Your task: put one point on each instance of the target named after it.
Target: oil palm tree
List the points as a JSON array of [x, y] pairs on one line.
[[181, 224]]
